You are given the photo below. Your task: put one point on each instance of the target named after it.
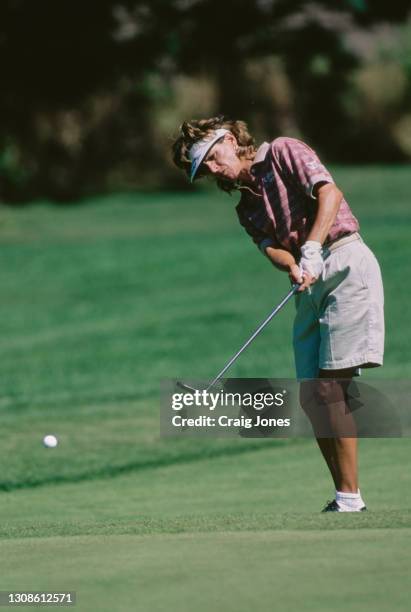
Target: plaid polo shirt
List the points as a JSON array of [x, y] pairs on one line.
[[280, 209]]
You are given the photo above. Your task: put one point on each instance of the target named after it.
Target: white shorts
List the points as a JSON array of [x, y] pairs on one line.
[[340, 319]]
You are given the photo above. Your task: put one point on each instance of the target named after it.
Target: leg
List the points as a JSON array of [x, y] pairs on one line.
[[349, 303], [327, 450], [340, 452], [306, 341], [323, 400]]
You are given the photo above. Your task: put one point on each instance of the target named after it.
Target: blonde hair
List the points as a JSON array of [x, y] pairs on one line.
[[192, 131]]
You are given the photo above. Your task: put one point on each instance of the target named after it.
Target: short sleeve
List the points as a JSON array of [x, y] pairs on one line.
[[298, 161]]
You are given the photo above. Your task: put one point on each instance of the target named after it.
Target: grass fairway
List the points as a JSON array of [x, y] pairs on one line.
[[263, 570], [99, 302]]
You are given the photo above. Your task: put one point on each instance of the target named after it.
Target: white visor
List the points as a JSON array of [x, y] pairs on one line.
[[200, 149]]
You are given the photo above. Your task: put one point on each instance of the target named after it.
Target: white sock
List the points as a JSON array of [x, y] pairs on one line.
[[349, 502]]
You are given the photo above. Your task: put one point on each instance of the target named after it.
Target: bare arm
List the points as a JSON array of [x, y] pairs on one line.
[[280, 258], [284, 260], [329, 199]]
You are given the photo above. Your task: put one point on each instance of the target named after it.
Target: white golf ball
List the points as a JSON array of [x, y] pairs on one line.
[[50, 441]]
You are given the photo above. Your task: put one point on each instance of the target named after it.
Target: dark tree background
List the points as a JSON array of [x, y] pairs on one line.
[[92, 92]]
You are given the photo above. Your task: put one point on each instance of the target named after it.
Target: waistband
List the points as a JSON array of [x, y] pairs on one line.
[[339, 242]]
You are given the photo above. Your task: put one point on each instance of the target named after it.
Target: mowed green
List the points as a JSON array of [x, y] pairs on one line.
[[102, 300]]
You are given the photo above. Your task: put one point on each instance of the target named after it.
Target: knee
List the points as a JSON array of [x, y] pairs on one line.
[[320, 392]]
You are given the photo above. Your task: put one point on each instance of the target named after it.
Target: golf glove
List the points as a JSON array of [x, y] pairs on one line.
[[311, 260]]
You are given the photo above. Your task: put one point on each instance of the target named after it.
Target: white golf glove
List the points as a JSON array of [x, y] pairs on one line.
[[311, 260]]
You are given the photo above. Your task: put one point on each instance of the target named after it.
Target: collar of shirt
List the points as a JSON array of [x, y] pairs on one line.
[[259, 156]]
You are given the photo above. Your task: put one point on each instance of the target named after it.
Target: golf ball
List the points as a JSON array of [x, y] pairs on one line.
[[50, 441]]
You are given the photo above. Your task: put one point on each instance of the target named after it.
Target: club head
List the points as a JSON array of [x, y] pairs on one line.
[[217, 386], [185, 387]]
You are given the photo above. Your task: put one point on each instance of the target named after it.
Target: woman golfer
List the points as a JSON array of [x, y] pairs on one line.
[[298, 218]]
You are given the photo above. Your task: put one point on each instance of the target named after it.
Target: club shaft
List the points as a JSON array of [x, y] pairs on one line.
[[255, 334]]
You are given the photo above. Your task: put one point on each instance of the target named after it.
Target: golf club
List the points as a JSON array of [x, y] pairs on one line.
[[249, 341]]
